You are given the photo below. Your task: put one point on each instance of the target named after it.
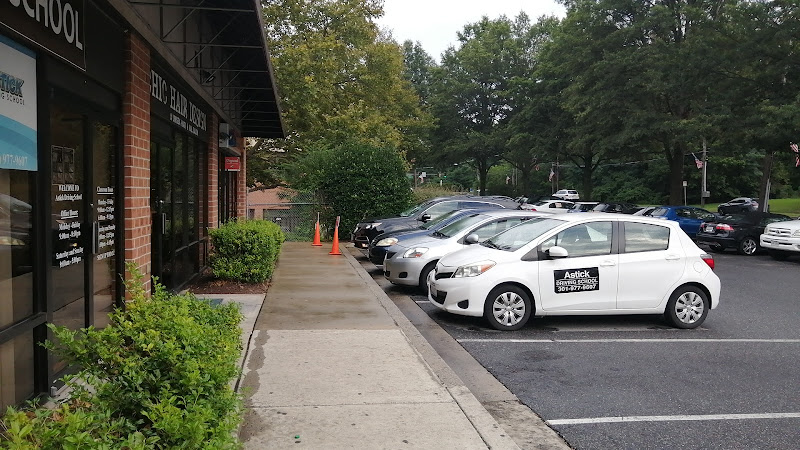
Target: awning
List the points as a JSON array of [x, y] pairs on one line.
[[220, 48]]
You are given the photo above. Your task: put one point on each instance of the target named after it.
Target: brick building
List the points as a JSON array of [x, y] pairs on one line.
[[121, 141]]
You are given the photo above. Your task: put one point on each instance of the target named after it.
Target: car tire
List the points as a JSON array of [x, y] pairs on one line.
[[778, 255], [507, 307], [423, 276], [687, 307], [747, 246]]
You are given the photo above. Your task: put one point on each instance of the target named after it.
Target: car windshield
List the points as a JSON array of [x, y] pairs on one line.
[[459, 225], [515, 237], [413, 210], [433, 222]]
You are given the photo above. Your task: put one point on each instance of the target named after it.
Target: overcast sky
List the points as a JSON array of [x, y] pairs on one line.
[[434, 23]]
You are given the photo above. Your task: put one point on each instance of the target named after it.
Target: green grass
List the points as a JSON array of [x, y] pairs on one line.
[[788, 206]]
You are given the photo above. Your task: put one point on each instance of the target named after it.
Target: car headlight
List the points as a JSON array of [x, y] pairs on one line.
[[386, 242], [796, 233], [473, 270], [415, 252]]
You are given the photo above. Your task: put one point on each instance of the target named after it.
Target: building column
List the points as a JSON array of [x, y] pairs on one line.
[[213, 173], [241, 185], [136, 157]]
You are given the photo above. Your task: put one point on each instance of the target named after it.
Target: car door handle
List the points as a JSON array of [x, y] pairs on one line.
[[672, 257], [608, 263]]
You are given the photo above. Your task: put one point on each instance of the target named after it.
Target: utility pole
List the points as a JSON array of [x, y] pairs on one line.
[[703, 188]]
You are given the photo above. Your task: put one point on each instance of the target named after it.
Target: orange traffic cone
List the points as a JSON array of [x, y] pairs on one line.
[[335, 249], [316, 242]]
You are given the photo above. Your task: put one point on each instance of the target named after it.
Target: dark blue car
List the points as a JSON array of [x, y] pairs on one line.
[[689, 217]]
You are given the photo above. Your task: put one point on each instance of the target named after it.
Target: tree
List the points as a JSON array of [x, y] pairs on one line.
[[339, 79], [355, 180], [472, 99]]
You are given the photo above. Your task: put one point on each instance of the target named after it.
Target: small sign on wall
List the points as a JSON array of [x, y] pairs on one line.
[[227, 138], [233, 164]]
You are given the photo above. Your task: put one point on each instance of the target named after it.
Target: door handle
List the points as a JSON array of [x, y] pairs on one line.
[[608, 263], [95, 237], [163, 223], [672, 257]]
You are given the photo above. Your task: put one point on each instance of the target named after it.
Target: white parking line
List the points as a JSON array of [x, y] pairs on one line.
[[533, 341], [421, 301], [673, 418]]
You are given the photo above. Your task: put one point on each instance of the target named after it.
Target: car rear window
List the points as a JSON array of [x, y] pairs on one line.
[[660, 212]]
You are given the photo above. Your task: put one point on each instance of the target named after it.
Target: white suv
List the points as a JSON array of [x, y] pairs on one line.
[[567, 194], [782, 239]]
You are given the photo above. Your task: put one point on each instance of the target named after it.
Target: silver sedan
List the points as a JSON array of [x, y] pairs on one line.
[[409, 261]]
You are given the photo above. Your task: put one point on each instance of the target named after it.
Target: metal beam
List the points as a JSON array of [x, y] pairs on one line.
[[198, 8], [214, 45]]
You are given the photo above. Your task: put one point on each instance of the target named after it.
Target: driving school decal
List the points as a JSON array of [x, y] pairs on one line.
[[577, 280]]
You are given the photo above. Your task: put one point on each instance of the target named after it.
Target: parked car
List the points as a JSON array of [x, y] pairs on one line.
[[567, 194], [739, 231], [689, 217], [738, 205], [645, 211], [579, 264], [409, 261], [379, 245], [552, 206], [412, 218], [782, 239], [615, 207], [579, 207]]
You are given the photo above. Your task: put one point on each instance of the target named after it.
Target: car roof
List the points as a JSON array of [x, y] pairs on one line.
[[500, 212]]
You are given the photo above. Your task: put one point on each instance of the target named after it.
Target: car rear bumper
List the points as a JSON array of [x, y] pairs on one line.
[[725, 242]]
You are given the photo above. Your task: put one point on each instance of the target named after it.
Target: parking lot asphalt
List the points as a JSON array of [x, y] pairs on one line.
[[634, 382]]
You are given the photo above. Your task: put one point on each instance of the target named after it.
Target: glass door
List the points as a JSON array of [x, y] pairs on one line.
[[83, 155]]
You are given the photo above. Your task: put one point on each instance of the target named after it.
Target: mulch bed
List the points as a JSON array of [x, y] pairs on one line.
[[207, 284]]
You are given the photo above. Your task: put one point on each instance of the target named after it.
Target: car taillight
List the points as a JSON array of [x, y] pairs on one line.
[[708, 259], [724, 227]]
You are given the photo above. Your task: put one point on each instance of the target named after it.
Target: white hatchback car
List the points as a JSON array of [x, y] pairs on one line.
[[579, 264]]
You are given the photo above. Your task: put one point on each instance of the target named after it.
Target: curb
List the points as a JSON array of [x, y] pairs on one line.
[[487, 427]]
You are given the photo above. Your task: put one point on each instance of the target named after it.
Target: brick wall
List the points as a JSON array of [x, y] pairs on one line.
[[213, 172], [136, 151], [241, 185]]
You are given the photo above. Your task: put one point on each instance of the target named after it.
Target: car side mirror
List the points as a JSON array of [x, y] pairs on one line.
[[425, 217], [471, 239], [556, 252]]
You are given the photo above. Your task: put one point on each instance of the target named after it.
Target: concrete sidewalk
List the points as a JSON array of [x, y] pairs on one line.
[[331, 362]]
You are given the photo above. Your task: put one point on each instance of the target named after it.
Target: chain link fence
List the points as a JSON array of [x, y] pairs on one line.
[[295, 212]]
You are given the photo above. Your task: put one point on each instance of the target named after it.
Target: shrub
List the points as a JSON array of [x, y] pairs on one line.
[[245, 250], [355, 180], [158, 375], [426, 192]]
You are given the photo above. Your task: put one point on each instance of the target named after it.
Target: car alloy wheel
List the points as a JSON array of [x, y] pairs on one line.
[[748, 246], [507, 307], [687, 307]]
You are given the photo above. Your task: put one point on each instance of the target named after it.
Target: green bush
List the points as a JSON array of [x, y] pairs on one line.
[[426, 192], [245, 250], [159, 376], [356, 180]]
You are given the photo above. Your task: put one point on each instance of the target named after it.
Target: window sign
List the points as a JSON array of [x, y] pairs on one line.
[[17, 107]]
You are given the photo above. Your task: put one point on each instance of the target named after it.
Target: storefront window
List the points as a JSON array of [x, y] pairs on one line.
[[16, 252], [16, 370]]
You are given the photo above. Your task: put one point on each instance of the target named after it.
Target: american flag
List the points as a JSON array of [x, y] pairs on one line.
[[697, 162], [796, 154]]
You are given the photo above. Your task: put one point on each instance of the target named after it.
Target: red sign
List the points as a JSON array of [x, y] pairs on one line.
[[233, 164]]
